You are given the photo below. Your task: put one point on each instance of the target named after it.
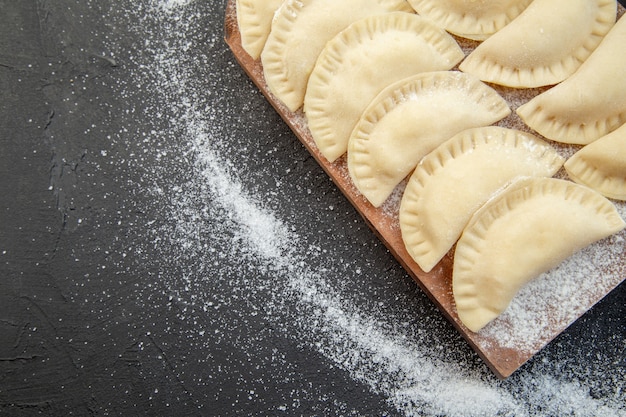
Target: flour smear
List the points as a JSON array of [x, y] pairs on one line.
[[395, 362]]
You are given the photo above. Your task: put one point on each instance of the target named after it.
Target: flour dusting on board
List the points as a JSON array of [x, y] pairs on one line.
[[558, 295], [300, 301]]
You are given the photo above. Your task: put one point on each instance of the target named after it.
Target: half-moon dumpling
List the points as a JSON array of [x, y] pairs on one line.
[[409, 119], [360, 62], [470, 19], [589, 104], [602, 165], [254, 18], [544, 45], [458, 177], [528, 229], [300, 31]]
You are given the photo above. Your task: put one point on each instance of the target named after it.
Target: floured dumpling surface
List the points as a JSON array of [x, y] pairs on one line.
[[409, 119], [300, 31], [602, 165], [458, 177], [589, 104], [528, 229], [254, 18], [470, 19], [360, 62], [544, 45]]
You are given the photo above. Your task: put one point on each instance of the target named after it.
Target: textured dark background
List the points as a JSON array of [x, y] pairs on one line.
[[100, 315]]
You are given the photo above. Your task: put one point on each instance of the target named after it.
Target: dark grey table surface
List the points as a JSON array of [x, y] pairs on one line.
[[168, 247]]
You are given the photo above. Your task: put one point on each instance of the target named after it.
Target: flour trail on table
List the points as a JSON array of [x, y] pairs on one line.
[[215, 216]]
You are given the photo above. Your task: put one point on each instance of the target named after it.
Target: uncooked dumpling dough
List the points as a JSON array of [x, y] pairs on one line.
[[360, 62], [602, 165], [470, 18], [254, 18], [409, 119], [544, 45], [589, 104], [528, 229], [458, 177], [300, 31]]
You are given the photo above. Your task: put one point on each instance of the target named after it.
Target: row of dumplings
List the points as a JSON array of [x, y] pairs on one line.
[[375, 80], [526, 46]]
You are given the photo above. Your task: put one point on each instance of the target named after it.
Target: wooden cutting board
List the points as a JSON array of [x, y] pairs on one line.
[[499, 350]]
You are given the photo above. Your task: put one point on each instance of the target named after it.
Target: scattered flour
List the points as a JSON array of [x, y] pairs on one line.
[[171, 5], [415, 377]]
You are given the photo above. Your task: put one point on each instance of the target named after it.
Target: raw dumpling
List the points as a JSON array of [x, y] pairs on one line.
[[255, 21], [528, 229], [300, 31], [409, 119], [470, 19], [458, 177], [589, 104], [544, 45], [602, 165], [360, 62]]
